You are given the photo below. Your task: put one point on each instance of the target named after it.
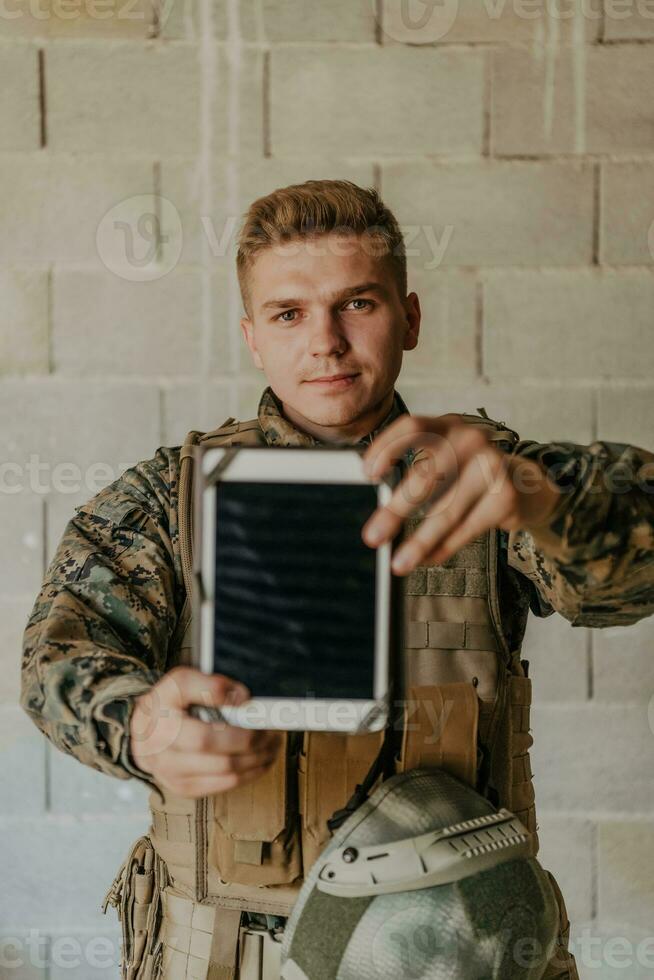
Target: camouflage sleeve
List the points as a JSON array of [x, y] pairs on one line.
[[594, 560], [99, 630]]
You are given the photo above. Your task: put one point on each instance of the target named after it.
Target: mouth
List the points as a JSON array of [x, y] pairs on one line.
[[334, 381]]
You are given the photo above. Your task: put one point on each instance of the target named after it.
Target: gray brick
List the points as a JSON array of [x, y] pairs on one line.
[[469, 21], [248, 394], [497, 213], [543, 413], [104, 325], [24, 337], [59, 425], [597, 117], [627, 212], [191, 406], [56, 871], [447, 345], [593, 758], [273, 21], [14, 613], [22, 763], [19, 97], [77, 789], [182, 19], [625, 415], [558, 664], [560, 837], [21, 530], [313, 20], [127, 97], [398, 101], [623, 663], [626, 871], [246, 86], [532, 318], [52, 203], [629, 20]]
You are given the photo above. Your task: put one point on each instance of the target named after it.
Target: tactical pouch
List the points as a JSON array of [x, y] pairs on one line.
[[562, 965], [522, 797], [329, 768], [254, 836], [136, 895], [440, 730]]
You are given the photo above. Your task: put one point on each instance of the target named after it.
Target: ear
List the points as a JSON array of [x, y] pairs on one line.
[[413, 317], [248, 332]]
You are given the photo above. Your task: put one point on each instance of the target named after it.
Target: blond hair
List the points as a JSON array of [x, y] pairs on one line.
[[319, 207]]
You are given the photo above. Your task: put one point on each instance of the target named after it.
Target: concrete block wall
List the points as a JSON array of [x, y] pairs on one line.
[[515, 142]]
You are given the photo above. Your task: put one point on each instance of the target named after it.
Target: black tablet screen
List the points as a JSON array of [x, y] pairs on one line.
[[295, 589]]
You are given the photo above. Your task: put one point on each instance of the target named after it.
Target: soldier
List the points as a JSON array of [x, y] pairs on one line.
[[497, 526]]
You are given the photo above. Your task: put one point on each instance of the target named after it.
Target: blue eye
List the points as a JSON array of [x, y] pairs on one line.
[[357, 300], [282, 315]]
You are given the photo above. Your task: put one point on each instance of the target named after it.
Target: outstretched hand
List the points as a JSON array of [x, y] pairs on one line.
[[195, 758], [465, 484]]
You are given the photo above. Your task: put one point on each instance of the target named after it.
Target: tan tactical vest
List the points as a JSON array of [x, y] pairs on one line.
[[467, 711]]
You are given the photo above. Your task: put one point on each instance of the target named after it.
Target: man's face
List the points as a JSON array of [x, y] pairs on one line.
[[328, 307]]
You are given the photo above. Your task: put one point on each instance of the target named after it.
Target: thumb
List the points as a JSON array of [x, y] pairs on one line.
[[185, 686]]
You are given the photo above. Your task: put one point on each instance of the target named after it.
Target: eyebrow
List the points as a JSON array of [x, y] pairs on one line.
[[365, 287]]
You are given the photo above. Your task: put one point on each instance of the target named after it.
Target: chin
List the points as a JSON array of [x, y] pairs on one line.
[[329, 415]]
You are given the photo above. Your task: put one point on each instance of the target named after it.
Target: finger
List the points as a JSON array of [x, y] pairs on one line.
[[218, 739], [401, 435], [208, 785], [448, 511], [184, 686], [440, 520], [490, 511], [427, 480], [187, 765]]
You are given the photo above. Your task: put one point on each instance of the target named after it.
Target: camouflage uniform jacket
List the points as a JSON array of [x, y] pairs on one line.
[[100, 628]]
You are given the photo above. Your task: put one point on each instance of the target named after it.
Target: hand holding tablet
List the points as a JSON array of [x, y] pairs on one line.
[[291, 601]]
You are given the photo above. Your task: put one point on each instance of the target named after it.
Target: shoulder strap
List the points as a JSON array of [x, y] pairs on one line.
[[229, 433], [496, 431]]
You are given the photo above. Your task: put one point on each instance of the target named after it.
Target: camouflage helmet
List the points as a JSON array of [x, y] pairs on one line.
[[426, 879]]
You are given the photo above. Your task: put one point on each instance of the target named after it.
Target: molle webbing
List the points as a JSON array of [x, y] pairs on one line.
[[451, 636]]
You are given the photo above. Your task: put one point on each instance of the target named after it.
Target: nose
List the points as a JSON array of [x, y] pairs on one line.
[[326, 335]]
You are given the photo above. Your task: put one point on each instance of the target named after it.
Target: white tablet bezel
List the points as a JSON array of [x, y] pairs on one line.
[[268, 465]]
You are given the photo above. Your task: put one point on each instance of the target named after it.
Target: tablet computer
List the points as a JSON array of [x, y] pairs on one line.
[[291, 601]]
